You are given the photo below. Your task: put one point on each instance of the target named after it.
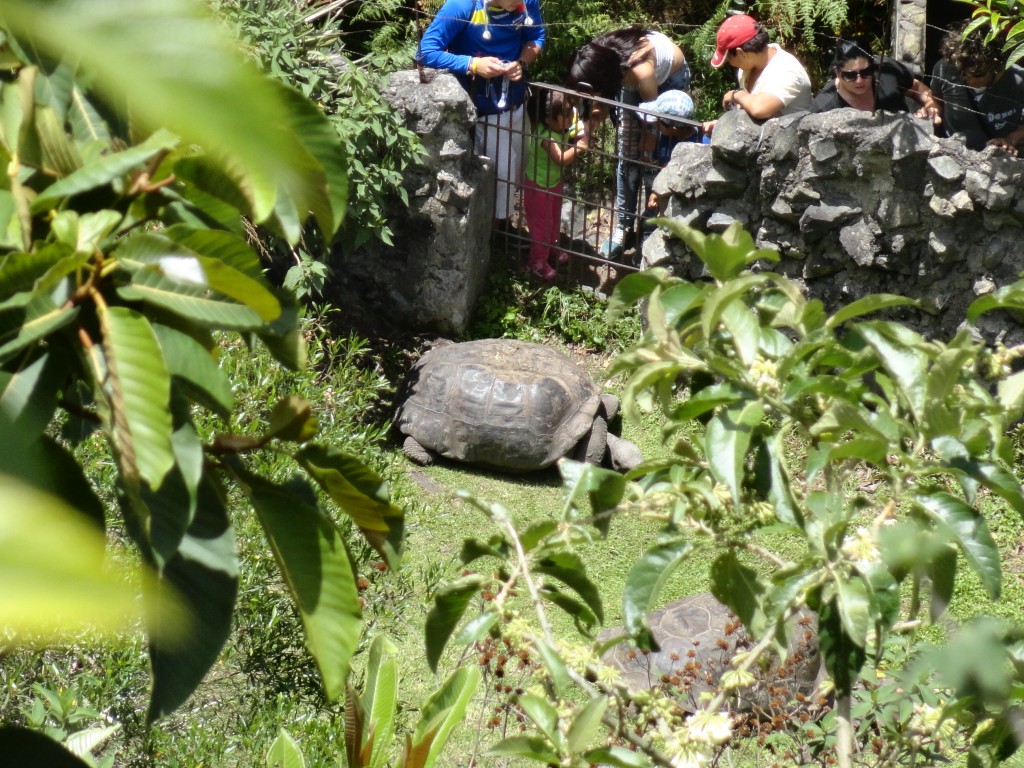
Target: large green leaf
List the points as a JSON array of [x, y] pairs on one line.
[[30, 749], [284, 752], [189, 361], [726, 441], [602, 487], [21, 328], [190, 301], [54, 581], [440, 715], [204, 575], [315, 563], [773, 480], [644, 582], [103, 170], [630, 289], [161, 54], [138, 388], [970, 533], [450, 602], [321, 139], [543, 715], [994, 477], [361, 493], [206, 261], [28, 396]]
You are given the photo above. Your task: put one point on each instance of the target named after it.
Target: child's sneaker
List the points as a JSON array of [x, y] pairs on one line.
[[614, 245]]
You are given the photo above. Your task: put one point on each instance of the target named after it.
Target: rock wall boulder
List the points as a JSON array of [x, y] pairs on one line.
[[438, 267], [857, 203]]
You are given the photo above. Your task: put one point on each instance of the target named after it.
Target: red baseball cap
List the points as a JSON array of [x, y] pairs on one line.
[[733, 32]]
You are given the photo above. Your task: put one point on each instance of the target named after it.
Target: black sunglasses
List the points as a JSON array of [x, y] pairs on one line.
[[850, 75]]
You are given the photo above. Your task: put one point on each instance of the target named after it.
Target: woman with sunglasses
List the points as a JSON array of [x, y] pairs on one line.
[[862, 82]]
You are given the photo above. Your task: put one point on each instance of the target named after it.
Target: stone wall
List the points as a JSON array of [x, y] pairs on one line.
[[438, 267], [857, 203]]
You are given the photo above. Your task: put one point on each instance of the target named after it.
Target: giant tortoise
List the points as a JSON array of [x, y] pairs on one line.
[[697, 638], [508, 405]]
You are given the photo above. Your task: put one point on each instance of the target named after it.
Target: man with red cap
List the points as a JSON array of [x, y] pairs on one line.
[[772, 82]]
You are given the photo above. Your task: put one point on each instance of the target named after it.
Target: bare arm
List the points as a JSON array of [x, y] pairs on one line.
[[564, 154], [760, 106], [930, 106]]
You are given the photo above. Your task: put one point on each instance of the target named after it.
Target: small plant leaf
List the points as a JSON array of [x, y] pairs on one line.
[[442, 713], [586, 724], [843, 657], [726, 441], [644, 583], [738, 587], [529, 747], [361, 494], [970, 533], [284, 752], [450, 603], [854, 602], [866, 306], [617, 757], [569, 568]]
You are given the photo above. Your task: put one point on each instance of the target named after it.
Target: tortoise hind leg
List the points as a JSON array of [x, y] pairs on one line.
[[417, 453], [592, 446]]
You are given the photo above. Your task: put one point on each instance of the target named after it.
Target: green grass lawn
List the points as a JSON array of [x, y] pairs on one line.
[[266, 681]]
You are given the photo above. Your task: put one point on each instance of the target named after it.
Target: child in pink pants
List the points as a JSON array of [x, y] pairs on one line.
[[548, 151]]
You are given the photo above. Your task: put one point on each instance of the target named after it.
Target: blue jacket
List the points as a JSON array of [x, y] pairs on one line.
[[464, 29]]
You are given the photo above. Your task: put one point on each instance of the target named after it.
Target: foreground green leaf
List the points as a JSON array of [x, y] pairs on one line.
[[316, 566]]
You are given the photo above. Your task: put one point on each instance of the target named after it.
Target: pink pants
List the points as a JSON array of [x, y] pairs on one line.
[[544, 217]]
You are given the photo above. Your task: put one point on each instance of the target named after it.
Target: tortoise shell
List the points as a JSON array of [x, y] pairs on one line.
[[501, 403]]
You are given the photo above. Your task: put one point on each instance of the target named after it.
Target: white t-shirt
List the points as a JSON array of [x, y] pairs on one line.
[[785, 78]]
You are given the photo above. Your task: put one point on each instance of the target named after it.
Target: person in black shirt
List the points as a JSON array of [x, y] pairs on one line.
[[864, 82], [984, 99]]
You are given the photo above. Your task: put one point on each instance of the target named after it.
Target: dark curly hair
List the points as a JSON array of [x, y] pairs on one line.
[[972, 55], [603, 61]]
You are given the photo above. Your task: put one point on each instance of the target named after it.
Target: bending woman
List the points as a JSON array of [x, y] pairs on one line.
[[488, 47], [864, 83], [633, 65]]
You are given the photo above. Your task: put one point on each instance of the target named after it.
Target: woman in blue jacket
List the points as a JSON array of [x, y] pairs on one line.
[[488, 46]]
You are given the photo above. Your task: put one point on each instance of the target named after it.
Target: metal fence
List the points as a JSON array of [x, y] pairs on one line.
[[589, 210]]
